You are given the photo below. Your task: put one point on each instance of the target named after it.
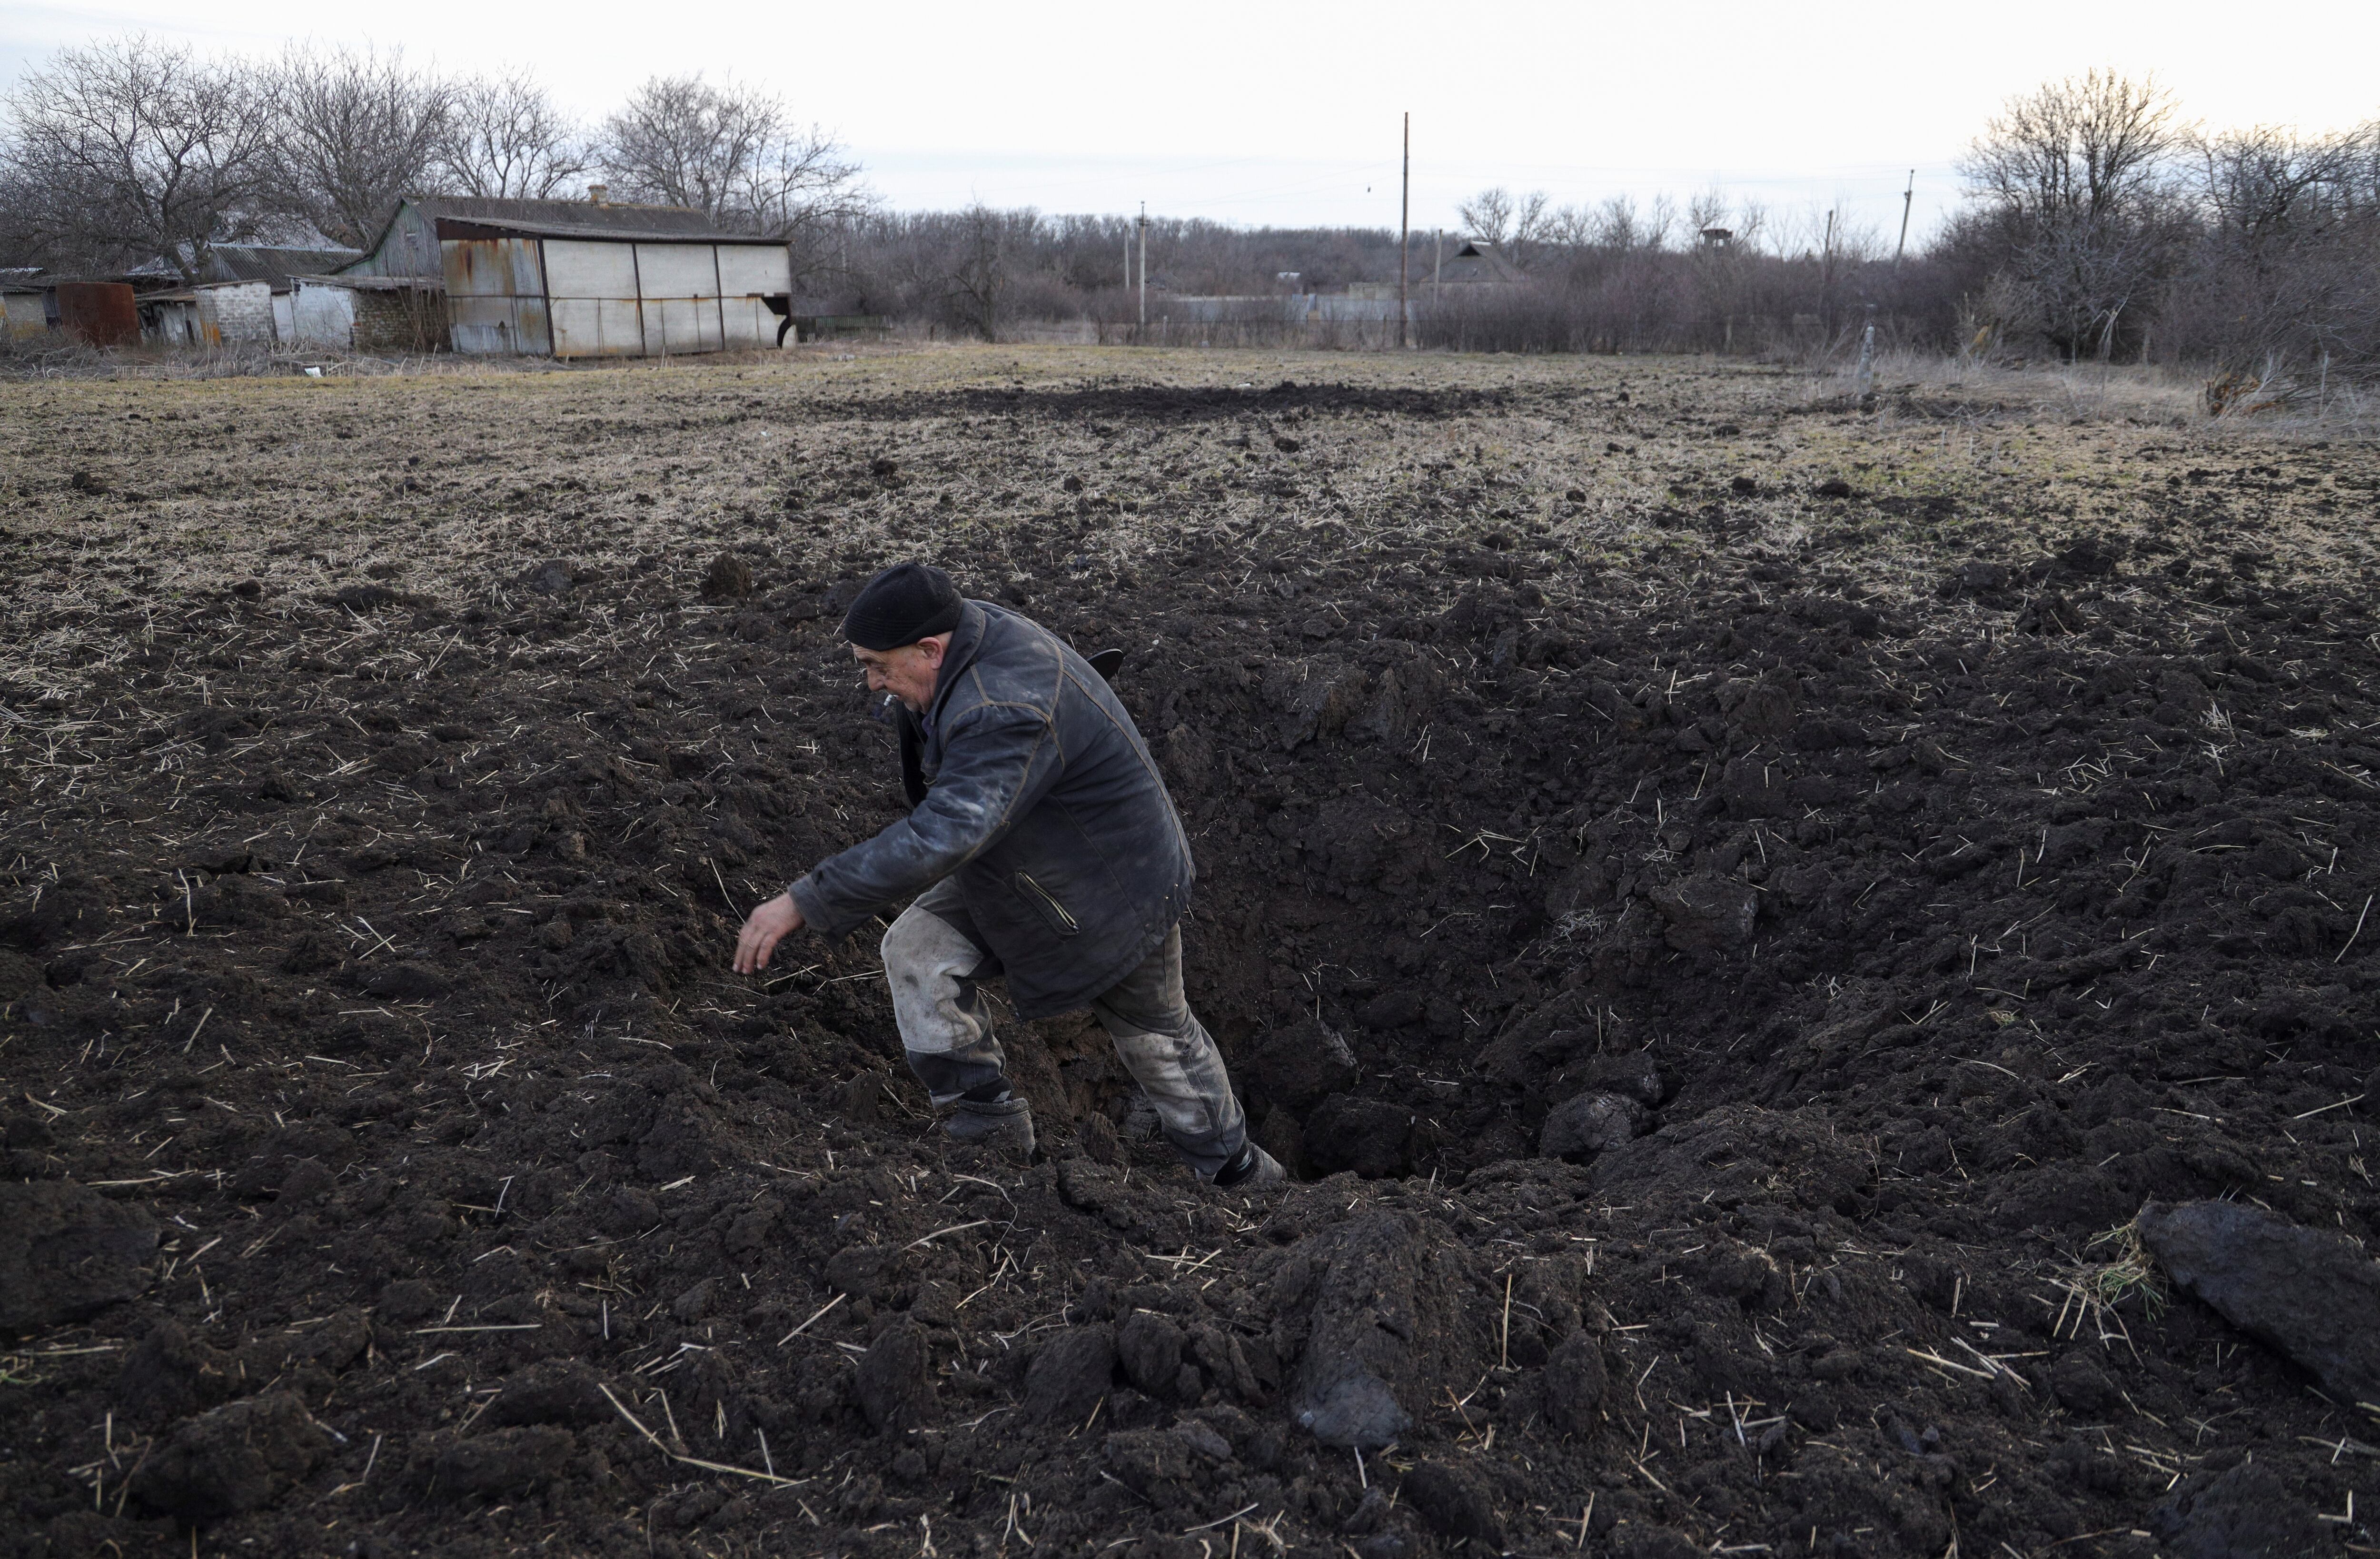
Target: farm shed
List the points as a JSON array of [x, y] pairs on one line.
[[574, 278], [371, 313], [276, 265], [513, 288]]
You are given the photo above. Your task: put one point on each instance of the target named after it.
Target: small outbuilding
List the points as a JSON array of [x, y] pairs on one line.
[[24, 311], [171, 318], [169, 308], [98, 314], [362, 313]]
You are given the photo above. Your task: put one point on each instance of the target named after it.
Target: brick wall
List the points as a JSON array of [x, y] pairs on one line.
[[400, 322], [235, 313]]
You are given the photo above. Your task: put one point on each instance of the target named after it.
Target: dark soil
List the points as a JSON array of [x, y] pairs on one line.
[[1730, 982]]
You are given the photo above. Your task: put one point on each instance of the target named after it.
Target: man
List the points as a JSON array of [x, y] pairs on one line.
[[1043, 846]]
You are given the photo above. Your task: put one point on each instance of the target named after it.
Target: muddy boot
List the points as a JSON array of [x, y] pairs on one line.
[[1006, 1125], [1251, 1169]]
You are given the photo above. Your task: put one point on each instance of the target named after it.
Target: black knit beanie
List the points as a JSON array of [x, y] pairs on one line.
[[902, 604]]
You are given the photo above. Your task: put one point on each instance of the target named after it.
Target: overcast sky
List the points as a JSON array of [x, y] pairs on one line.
[[1273, 113]]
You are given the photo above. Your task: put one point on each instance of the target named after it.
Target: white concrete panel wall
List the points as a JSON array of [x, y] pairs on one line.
[[677, 270], [681, 324], [748, 322], [614, 298], [598, 327], [574, 269], [495, 296], [325, 316], [747, 272]]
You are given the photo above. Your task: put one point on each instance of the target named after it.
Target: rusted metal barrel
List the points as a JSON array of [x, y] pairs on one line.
[[99, 313]]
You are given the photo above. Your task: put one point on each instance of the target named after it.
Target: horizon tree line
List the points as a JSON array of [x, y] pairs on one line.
[[2099, 222]]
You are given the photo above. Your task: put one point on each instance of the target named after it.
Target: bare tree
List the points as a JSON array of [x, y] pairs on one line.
[[506, 140], [977, 269], [1487, 216], [2077, 181], [129, 151], [1518, 227], [729, 152], [2284, 276], [2090, 146], [359, 129], [1616, 226], [2258, 183]]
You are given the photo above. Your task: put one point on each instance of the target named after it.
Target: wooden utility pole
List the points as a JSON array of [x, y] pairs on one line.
[[1144, 267], [1404, 232], [1906, 196]]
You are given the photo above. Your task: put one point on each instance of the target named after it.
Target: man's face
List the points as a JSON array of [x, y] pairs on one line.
[[908, 673]]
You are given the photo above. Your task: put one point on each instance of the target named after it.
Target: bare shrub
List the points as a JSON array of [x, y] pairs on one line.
[[2280, 294]]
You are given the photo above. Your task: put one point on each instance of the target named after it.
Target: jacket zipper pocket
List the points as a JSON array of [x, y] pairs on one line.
[[1053, 911]]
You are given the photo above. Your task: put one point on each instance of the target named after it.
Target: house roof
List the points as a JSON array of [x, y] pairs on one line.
[[274, 263], [479, 227], [572, 217], [1476, 262]]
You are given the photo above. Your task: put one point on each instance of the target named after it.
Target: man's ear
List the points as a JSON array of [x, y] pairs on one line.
[[932, 647]]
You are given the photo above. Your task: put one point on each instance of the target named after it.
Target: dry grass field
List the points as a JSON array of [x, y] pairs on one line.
[[1730, 901]]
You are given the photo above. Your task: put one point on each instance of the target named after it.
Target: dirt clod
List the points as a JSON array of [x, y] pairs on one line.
[[1070, 1374], [730, 579], [239, 1457], [66, 1252], [2311, 1295], [1581, 1127], [892, 1387]]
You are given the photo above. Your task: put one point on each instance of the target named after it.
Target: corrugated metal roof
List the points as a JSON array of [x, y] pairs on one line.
[[274, 263], [462, 226], [377, 284], [573, 216]]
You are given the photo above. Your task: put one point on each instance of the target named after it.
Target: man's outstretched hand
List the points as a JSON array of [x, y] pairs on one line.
[[763, 928]]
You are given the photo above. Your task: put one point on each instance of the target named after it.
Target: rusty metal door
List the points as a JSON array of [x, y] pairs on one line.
[[496, 295]]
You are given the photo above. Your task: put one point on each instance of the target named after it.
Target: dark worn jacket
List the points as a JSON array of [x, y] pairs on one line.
[[1033, 786]]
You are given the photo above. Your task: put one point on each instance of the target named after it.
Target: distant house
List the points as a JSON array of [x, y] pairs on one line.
[[586, 279], [1477, 264]]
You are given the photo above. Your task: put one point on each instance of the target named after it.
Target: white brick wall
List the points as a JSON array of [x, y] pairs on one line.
[[235, 313]]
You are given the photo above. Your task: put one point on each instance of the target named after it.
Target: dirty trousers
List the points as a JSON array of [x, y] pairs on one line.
[[933, 963]]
